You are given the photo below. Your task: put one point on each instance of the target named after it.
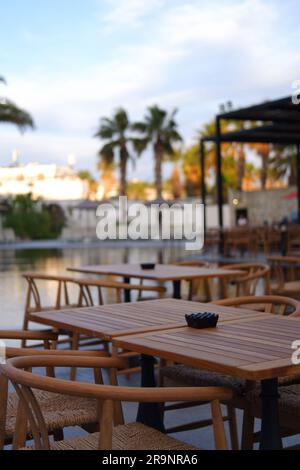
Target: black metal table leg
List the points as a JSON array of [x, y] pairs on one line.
[[270, 428], [177, 289], [127, 293], [149, 413]]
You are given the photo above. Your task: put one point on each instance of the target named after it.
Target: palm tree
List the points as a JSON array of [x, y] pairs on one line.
[[283, 163], [263, 151], [160, 130], [114, 132], [11, 113]]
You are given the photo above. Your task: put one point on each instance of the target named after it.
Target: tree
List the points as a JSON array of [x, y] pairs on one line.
[[107, 179], [283, 162], [137, 190], [114, 131], [158, 129], [32, 220], [11, 113], [86, 176], [263, 151], [191, 170]]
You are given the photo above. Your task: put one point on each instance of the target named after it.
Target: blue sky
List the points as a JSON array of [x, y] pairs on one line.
[[69, 62]]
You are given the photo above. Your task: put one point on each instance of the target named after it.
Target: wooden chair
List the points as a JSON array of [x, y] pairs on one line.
[[71, 292], [293, 238], [60, 285], [65, 292], [276, 304], [212, 238], [180, 375], [112, 434], [239, 238], [289, 413], [77, 411], [285, 275], [86, 298], [247, 283], [194, 286], [268, 238]]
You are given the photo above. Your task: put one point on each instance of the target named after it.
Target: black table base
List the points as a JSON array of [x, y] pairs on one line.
[[270, 427], [177, 289], [149, 413], [127, 292]]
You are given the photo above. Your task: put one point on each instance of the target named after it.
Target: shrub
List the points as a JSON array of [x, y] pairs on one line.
[[35, 221]]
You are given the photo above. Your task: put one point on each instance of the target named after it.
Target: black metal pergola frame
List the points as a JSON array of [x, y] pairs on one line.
[[280, 123]]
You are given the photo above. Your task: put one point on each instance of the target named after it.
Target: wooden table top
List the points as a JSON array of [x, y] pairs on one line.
[[161, 272], [250, 348], [108, 321]]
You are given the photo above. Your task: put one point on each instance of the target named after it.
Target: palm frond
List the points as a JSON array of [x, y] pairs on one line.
[[140, 145], [139, 127], [104, 132], [121, 119], [11, 113], [156, 117], [107, 153]]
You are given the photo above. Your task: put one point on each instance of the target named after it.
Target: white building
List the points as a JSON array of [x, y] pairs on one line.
[[49, 182]]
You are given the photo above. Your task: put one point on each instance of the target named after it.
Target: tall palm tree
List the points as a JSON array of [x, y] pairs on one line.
[[114, 131], [11, 113], [283, 162], [263, 151], [159, 130]]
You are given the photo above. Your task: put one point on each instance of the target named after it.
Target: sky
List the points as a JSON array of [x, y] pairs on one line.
[[71, 62]]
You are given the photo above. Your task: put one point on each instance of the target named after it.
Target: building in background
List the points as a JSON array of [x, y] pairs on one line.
[[49, 182]]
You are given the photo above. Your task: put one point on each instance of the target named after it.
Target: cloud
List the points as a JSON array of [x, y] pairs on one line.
[[130, 12], [191, 54], [42, 146]]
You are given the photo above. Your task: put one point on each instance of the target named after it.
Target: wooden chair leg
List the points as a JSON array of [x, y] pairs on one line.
[[233, 427], [25, 327], [3, 408], [75, 344], [248, 430], [218, 426], [118, 410], [20, 433]]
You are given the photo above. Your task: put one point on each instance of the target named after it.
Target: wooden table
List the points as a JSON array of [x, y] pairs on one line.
[[256, 348], [109, 321], [161, 273]]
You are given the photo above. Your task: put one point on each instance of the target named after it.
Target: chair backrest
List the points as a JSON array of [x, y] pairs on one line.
[[194, 284], [99, 285], [61, 285], [11, 352], [264, 303], [196, 264], [247, 283], [16, 370], [284, 268]]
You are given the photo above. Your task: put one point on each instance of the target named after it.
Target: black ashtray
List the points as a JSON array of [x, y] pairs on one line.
[[146, 266], [202, 320]]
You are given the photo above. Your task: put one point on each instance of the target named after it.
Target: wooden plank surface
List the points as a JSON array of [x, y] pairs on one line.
[[252, 348], [108, 321], [161, 272]]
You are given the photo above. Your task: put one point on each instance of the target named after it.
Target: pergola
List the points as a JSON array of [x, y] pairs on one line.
[[279, 124]]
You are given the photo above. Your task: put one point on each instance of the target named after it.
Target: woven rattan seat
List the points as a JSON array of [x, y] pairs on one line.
[[289, 400], [133, 436], [59, 410], [180, 375]]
